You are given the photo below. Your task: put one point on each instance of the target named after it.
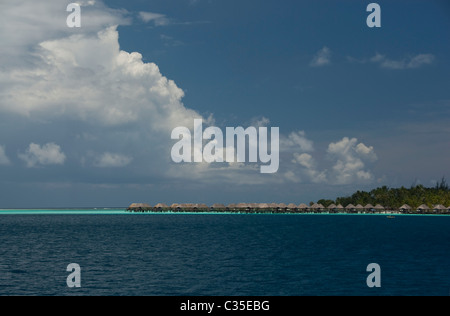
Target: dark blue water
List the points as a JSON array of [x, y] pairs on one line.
[[224, 254]]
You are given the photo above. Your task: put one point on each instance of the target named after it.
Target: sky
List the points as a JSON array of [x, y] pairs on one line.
[[86, 114]]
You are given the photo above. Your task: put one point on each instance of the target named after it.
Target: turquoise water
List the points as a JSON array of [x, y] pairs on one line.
[[99, 211], [210, 254]]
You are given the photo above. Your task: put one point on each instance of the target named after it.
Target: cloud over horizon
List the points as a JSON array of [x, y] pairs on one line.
[[111, 160], [349, 163], [48, 154]]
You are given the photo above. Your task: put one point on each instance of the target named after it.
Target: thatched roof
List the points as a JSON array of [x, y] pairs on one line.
[[316, 206], [187, 206], [379, 207], [368, 206], [439, 207], [242, 205], [175, 205], [359, 207], [161, 205], [339, 207], [405, 207], [231, 206], [139, 205], [282, 205], [292, 206], [303, 206], [331, 206], [263, 205], [191, 206], [350, 206], [218, 206], [273, 205], [423, 207]]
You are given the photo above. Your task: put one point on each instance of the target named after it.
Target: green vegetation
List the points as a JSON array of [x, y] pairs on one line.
[[395, 198]]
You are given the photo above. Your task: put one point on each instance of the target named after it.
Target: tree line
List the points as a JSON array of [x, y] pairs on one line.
[[394, 198]]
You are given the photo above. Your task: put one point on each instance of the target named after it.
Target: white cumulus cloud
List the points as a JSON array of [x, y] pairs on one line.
[[350, 159], [349, 163], [90, 78], [25, 24], [310, 169], [296, 141], [111, 160], [48, 154]]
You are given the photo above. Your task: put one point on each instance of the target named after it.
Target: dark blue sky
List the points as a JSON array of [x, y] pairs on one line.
[[252, 57]]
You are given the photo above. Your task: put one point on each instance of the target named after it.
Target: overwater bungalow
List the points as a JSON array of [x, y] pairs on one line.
[[250, 207], [423, 208], [379, 208], [139, 207], [187, 207], [439, 208], [405, 208], [303, 207], [350, 208], [292, 207], [218, 207], [331, 208], [273, 206], [161, 207], [193, 207], [175, 207], [202, 207], [243, 207], [359, 208], [369, 208], [316, 207], [254, 206], [263, 206]]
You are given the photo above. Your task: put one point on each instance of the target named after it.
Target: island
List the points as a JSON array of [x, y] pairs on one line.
[[383, 200]]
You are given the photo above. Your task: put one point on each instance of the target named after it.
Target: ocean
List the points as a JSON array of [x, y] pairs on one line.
[[123, 254]]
